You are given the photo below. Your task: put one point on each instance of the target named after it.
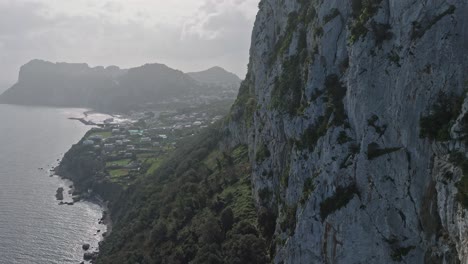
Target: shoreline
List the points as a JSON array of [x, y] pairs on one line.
[[94, 198], [105, 219], [81, 196], [106, 215]]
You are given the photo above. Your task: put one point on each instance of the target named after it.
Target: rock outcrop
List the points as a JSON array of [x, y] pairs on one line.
[[330, 110], [59, 194], [85, 247]]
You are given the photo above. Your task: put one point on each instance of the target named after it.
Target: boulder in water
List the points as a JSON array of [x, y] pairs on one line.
[[59, 194], [85, 247]]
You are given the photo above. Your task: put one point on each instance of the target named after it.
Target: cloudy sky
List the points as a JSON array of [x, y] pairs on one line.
[[184, 34]]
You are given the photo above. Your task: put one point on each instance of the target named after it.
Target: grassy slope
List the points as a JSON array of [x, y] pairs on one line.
[[196, 207]]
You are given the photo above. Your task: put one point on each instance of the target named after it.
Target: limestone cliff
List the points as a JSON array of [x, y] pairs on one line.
[[331, 110]]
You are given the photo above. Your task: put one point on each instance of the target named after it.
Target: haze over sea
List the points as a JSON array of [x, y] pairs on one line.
[[33, 227]]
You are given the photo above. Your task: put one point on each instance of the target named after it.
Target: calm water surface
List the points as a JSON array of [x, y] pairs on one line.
[[33, 227]]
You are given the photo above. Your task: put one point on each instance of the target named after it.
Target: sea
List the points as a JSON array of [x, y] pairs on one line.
[[34, 228]]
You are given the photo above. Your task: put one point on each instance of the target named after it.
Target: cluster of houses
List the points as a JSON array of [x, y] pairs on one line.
[[122, 142], [183, 121], [128, 147]]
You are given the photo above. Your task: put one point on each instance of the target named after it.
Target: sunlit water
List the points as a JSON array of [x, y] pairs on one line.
[[33, 227]]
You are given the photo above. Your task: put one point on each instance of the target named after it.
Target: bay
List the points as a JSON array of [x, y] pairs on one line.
[[34, 228]]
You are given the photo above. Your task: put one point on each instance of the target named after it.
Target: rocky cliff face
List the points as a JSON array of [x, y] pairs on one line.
[[331, 110]]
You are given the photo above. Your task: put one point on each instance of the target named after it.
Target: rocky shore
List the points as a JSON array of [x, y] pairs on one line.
[[79, 192]]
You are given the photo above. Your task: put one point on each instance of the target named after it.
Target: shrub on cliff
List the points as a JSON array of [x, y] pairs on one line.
[[436, 125]]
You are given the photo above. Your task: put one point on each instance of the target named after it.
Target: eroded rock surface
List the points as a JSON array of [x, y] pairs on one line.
[[331, 109]]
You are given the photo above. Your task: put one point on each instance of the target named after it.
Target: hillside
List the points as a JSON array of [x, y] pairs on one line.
[[4, 86], [108, 89], [354, 117], [216, 76]]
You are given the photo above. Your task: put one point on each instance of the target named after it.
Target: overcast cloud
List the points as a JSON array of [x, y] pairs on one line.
[[184, 34]]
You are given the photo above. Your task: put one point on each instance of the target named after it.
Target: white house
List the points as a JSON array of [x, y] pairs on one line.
[[109, 147], [95, 137], [88, 142], [145, 139]]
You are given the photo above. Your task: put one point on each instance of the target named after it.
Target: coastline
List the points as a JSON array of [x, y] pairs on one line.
[[106, 215], [83, 121], [89, 256], [33, 142], [78, 195]]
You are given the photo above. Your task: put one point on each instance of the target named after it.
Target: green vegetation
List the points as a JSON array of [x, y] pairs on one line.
[[344, 65], [312, 134], [343, 138], [197, 207], [436, 125], [122, 162], [103, 134], [354, 148], [154, 165], [363, 10], [81, 164], [115, 174], [307, 190], [240, 195], [394, 58], [285, 41], [399, 253], [372, 122], [240, 153], [335, 92], [420, 29], [374, 151], [340, 199], [334, 12], [296, 23], [288, 91], [460, 160], [265, 195], [262, 153], [318, 32], [284, 179], [288, 223], [381, 32], [245, 105]]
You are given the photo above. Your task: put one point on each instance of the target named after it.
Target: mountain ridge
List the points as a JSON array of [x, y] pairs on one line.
[[78, 85], [213, 74]]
